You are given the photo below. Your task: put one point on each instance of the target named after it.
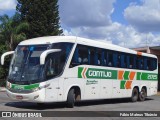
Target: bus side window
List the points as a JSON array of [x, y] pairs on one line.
[[103, 58], [148, 66], [138, 62], [145, 64], [119, 60], [83, 54], [128, 61], [110, 58], [99, 53], [115, 59], [49, 69], [142, 63], [125, 60], [96, 57], [131, 62], [134, 61], [75, 59], [92, 54], [122, 61], [153, 64]]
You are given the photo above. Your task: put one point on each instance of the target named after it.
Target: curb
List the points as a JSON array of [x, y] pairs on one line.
[[2, 89]]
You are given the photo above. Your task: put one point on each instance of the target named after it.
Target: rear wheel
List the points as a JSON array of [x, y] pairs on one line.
[[134, 96], [142, 95], [71, 98]]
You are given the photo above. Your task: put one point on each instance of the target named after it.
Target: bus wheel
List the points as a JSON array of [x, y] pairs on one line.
[[134, 97], [142, 95], [71, 98]]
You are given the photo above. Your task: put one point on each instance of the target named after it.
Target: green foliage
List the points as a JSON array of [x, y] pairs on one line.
[[3, 69], [12, 31], [34, 18], [42, 16]]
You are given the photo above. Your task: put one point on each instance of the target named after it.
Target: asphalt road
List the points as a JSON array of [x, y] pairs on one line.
[[151, 104]]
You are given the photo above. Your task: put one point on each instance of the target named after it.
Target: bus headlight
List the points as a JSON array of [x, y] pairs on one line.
[[41, 87], [8, 85]]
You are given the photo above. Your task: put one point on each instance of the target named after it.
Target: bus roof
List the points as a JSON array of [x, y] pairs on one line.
[[84, 41]]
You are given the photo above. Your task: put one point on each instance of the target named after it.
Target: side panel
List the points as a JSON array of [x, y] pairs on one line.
[[52, 91], [71, 80], [100, 82], [105, 89], [122, 87]]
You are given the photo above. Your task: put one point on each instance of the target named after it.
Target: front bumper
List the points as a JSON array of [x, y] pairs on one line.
[[37, 96]]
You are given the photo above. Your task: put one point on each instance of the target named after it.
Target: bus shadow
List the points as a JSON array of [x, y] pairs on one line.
[[107, 101], [34, 106]]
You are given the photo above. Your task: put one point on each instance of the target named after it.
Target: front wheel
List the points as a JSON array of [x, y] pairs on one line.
[[142, 95], [134, 96], [71, 98]]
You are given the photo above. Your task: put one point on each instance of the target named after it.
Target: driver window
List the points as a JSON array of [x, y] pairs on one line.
[[50, 72]]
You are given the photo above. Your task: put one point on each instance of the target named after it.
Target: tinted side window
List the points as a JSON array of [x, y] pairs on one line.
[[153, 63], [131, 62], [104, 57], [92, 55], [81, 56], [110, 58], [99, 54], [86, 55]]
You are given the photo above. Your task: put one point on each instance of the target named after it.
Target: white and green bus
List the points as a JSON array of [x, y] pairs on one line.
[[69, 69]]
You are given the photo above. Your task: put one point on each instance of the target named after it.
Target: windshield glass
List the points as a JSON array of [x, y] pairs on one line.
[[25, 66]]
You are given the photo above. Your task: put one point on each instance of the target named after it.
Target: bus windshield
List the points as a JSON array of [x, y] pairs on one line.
[[25, 66]]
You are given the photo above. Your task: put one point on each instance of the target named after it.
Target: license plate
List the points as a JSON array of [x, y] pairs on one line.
[[19, 97]]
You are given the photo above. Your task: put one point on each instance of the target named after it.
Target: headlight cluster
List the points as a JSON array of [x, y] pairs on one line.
[[8, 85], [41, 87]]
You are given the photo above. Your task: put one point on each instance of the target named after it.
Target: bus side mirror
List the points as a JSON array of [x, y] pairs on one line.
[[45, 53], [4, 55]]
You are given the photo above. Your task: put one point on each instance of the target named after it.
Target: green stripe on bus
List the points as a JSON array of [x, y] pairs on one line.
[[101, 73], [25, 87], [122, 84], [80, 69], [138, 76], [149, 76], [94, 73], [126, 75]]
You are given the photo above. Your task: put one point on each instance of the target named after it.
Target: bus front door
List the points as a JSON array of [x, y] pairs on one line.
[[51, 93]]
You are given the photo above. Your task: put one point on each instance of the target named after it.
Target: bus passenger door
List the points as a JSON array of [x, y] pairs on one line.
[[51, 71]]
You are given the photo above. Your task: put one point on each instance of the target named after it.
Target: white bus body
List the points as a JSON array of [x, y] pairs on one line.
[[68, 68]]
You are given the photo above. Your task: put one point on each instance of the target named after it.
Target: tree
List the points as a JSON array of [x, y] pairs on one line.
[[12, 31], [42, 16]]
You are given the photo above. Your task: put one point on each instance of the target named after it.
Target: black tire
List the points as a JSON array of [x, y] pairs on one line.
[[134, 96], [71, 98], [142, 95]]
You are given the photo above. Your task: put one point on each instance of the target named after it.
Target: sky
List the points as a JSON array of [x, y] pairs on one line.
[[128, 23]]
